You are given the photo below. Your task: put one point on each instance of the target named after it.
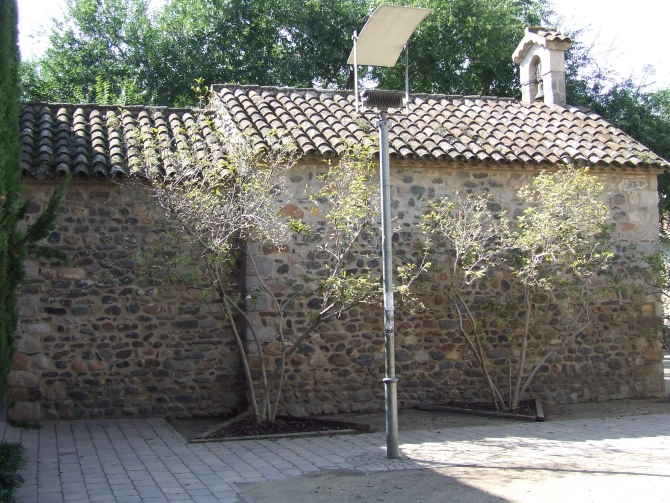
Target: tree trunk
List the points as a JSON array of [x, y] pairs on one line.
[[479, 353], [245, 362], [524, 348]]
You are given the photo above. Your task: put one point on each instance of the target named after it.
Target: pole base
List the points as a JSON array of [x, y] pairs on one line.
[[392, 447]]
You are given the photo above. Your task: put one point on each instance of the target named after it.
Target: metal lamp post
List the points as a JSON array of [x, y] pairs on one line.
[[380, 42], [390, 380]]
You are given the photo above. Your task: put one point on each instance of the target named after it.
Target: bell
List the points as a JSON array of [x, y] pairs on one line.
[[540, 92]]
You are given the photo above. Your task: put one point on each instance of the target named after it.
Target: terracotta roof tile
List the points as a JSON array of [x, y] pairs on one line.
[[94, 139]]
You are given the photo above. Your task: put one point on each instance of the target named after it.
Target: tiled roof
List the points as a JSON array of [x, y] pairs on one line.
[[543, 37], [92, 139], [98, 139], [549, 34], [441, 128]]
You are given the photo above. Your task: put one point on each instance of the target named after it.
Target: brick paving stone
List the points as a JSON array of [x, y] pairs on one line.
[[49, 498], [128, 499], [102, 498], [128, 461]]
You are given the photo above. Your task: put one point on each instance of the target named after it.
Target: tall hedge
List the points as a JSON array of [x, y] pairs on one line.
[[11, 270], [15, 244]]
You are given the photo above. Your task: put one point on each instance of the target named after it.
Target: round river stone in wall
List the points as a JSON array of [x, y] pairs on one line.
[[292, 211], [340, 359], [22, 379]]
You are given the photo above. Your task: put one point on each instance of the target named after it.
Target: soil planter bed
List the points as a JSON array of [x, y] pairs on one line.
[[283, 427], [529, 410]]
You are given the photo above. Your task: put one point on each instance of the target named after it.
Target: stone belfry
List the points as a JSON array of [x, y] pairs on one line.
[[541, 59]]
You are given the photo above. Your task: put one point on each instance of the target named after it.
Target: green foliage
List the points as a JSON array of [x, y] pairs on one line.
[[14, 244], [348, 200], [25, 425], [222, 207], [465, 47], [559, 244], [11, 460], [215, 203], [98, 54], [115, 51], [11, 271], [348, 241], [560, 228]]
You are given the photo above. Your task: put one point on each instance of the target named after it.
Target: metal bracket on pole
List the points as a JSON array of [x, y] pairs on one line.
[[355, 37]]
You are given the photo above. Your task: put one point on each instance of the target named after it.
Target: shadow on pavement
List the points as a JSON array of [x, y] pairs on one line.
[[460, 484], [345, 486]]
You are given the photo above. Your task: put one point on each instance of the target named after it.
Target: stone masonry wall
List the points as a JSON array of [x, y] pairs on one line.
[[95, 340], [341, 367]]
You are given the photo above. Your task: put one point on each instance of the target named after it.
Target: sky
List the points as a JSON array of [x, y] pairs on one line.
[[628, 35]]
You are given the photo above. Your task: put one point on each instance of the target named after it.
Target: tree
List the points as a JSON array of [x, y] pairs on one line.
[[223, 206], [99, 53], [15, 244], [346, 240], [474, 241], [560, 247], [215, 202], [265, 42], [138, 57], [624, 102], [557, 246], [10, 182], [463, 47]]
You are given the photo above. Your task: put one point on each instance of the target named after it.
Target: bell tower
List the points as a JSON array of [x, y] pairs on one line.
[[541, 59]]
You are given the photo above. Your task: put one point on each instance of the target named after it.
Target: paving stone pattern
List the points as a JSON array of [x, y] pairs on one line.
[[145, 460]]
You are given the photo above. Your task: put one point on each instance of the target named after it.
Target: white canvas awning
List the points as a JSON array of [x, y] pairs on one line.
[[385, 34]]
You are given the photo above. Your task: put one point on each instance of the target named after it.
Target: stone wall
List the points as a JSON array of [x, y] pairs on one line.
[[96, 340], [341, 368]]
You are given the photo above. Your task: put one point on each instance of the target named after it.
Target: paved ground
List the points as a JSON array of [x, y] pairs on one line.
[[147, 461]]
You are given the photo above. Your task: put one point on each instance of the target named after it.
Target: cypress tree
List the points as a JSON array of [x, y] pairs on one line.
[[14, 243], [11, 272]]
